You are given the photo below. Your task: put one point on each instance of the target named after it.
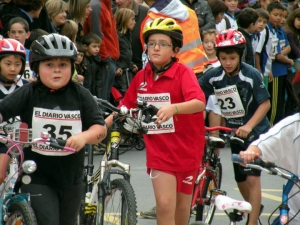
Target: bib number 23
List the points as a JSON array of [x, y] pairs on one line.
[[63, 130], [226, 103]]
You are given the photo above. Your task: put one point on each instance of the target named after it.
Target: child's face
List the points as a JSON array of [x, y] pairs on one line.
[[231, 5], [55, 73], [275, 17], [219, 17], [160, 56], [209, 41], [131, 23], [297, 23], [18, 33], [229, 61], [80, 56], [60, 18], [260, 24], [10, 67], [93, 49], [283, 18]]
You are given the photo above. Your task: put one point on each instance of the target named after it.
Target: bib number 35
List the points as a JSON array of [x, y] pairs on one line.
[[64, 132]]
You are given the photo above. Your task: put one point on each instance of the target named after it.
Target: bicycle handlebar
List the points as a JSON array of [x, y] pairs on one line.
[[259, 164], [231, 136], [148, 111]]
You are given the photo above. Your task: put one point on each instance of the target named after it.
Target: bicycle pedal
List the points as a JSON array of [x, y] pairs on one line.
[[218, 192]]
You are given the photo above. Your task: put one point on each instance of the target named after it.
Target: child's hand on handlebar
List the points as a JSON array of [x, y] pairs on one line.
[[248, 155], [243, 131], [76, 141], [165, 113]]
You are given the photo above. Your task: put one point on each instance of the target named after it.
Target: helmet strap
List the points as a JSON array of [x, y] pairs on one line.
[[164, 68]]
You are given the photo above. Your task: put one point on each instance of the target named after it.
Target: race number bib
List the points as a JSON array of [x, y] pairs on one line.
[[158, 100], [274, 51], [28, 72], [59, 124], [230, 102]]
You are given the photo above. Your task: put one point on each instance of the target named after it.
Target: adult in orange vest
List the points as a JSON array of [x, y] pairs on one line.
[[192, 53]]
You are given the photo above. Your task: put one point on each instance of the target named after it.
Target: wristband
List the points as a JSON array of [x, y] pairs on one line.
[[176, 109]]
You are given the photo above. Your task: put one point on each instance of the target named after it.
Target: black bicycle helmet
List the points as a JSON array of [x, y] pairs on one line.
[[52, 46]]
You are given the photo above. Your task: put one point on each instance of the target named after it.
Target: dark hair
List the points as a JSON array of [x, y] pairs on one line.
[[34, 34], [19, 20], [89, 38], [217, 6], [230, 50], [290, 24], [79, 47], [29, 5], [246, 17], [263, 13], [275, 5]]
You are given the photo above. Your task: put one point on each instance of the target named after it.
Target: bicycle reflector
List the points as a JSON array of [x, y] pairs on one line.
[[29, 166]]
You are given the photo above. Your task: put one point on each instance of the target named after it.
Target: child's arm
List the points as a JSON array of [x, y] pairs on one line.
[[281, 58], [261, 111], [257, 61], [93, 135], [286, 50], [189, 107]]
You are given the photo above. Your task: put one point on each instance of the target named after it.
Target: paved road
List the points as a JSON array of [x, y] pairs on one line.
[[145, 199]]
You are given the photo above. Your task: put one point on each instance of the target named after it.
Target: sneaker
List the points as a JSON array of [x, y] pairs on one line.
[[197, 223], [150, 214]]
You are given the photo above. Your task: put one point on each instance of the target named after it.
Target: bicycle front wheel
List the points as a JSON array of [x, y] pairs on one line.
[[120, 206], [206, 211], [20, 213]]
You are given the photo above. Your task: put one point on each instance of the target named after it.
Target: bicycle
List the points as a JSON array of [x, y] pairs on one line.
[[210, 175], [272, 169], [15, 206], [109, 200]]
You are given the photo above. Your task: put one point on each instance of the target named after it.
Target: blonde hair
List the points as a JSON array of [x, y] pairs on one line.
[[55, 7], [209, 31], [69, 29], [77, 9], [122, 16]]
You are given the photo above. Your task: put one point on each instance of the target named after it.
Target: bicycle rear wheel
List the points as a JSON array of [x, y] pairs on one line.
[[21, 214], [120, 206], [206, 211]]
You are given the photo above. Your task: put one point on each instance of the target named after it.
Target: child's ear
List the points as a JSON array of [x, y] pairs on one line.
[[85, 47], [176, 50]]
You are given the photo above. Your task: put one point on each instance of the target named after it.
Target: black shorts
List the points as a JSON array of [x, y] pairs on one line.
[[3, 148], [240, 172]]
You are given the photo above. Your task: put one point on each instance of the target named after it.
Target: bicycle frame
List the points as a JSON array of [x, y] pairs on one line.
[[8, 196], [284, 209]]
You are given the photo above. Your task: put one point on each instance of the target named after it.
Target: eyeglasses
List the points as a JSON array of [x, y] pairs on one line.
[[152, 44]]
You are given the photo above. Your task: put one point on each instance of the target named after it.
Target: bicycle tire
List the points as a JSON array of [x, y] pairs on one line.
[[21, 213], [123, 198], [206, 212], [139, 144]]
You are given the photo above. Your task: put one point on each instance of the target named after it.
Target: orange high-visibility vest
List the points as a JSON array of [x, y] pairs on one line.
[[192, 53]]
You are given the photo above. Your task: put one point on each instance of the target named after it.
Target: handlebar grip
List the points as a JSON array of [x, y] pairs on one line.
[[258, 161], [57, 143]]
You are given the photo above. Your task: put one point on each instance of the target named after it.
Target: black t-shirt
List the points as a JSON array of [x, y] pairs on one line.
[[60, 171]]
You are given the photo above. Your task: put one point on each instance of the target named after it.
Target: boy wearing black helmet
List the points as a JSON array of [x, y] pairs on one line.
[[66, 110], [173, 155], [244, 102], [281, 143]]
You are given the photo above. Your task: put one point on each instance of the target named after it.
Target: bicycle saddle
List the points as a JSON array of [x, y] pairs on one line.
[[216, 142], [223, 202]]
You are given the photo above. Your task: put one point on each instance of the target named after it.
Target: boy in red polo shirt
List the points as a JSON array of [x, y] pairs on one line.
[[175, 141]]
